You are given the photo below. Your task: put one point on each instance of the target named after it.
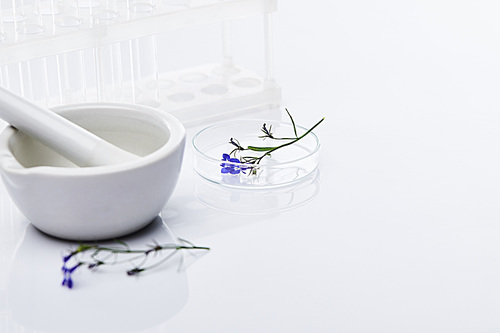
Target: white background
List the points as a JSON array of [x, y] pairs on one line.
[[404, 234]]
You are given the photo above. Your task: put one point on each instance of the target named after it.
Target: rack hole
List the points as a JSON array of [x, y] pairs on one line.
[[181, 97], [215, 89]]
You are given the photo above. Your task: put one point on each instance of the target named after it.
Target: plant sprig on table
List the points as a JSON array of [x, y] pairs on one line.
[[231, 168], [94, 256]]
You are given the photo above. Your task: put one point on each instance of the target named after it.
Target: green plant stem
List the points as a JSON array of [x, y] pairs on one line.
[[269, 150], [293, 122]]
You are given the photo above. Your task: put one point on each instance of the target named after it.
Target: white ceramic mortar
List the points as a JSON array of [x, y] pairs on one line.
[[102, 202]]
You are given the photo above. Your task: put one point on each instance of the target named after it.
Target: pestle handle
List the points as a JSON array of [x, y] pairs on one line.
[[63, 136]]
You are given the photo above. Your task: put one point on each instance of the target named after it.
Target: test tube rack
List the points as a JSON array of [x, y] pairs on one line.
[[58, 52]]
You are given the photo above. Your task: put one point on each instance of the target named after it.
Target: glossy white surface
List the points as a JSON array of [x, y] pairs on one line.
[[401, 231]]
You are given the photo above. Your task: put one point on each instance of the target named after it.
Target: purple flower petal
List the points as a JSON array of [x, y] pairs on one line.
[[72, 269], [228, 167], [68, 281], [67, 257]]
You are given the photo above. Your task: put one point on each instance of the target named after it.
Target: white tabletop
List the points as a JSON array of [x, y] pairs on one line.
[[398, 232]]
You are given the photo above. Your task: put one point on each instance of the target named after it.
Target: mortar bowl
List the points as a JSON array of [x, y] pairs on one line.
[[103, 202]]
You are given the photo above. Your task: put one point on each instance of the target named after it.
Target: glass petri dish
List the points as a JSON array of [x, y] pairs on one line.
[[285, 166], [242, 201]]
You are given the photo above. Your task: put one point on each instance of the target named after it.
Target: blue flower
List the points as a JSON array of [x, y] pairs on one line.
[[68, 281], [66, 258], [231, 168]]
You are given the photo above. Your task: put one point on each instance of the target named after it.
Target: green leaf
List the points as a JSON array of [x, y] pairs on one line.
[[260, 148]]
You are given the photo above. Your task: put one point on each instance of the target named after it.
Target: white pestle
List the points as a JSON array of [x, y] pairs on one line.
[[63, 136]]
